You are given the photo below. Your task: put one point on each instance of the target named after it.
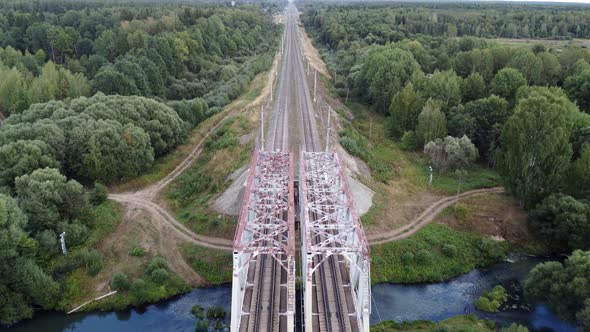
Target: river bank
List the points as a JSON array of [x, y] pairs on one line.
[[433, 301]]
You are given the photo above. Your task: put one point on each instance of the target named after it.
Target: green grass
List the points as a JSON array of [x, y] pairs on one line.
[[435, 253], [388, 161], [107, 217], [189, 195], [455, 324], [215, 266]]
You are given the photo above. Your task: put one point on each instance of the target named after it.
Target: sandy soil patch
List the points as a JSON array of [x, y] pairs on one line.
[[311, 53], [495, 215]]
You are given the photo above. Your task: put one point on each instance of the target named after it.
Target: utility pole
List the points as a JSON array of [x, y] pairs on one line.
[[271, 79], [329, 128], [262, 128], [307, 67], [62, 239], [315, 79]]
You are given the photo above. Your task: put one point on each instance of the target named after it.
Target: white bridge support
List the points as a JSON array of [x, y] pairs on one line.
[[330, 227], [266, 230]]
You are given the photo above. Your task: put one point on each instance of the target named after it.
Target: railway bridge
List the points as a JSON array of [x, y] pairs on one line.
[[305, 190]]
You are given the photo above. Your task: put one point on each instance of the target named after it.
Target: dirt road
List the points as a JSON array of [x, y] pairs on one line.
[[427, 216]]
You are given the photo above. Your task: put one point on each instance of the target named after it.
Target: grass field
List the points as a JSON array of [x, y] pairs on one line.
[[213, 265], [435, 253], [388, 161], [455, 324]]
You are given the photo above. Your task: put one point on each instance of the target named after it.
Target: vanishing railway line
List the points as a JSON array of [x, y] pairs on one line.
[[263, 287]]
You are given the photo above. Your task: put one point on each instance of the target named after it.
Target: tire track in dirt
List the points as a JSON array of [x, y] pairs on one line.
[[147, 197], [427, 216]]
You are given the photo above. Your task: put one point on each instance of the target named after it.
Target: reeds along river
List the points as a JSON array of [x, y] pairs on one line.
[[435, 301]]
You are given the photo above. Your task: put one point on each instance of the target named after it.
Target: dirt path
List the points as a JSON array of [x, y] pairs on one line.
[[427, 216], [147, 198], [159, 213]]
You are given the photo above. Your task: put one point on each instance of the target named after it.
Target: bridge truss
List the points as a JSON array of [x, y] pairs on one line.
[[331, 237], [263, 284]]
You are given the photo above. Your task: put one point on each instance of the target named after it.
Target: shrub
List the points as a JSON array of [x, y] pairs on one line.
[[408, 141], [99, 194], [407, 257], [93, 261], [139, 290], [198, 311], [137, 252], [449, 250], [202, 325], [488, 249], [492, 300], [461, 211], [157, 263], [216, 313], [120, 282], [424, 256], [159, 276]]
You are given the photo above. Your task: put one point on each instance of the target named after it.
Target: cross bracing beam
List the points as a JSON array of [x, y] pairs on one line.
[[264, 243], [331, 236]]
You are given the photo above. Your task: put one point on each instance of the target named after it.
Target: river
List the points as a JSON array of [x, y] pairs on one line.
[[436, 301]]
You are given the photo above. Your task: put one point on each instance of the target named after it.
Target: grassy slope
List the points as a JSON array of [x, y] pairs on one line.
[[454, 324], [213, 265], [435, 253], [79, 285]]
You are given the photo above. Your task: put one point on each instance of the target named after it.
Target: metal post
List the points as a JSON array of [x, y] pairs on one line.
[[328, 131], [262, 128], [315, 79], [62, 239]]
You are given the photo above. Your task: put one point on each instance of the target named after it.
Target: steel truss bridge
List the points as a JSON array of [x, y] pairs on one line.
[[333, 269]]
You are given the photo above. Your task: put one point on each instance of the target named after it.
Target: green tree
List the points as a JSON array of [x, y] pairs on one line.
[[535, 147], [139, 289], [528, 64], [451, 152], [22, 282], [99, 194], [431, 123], [386, 70], [506, 82], [564, 287], [404, 110], [22, 157], [563, 221], [578, 89], [578, 183], [488, 114], [444, 86], [47, 198], [473, 87], [551, 72]]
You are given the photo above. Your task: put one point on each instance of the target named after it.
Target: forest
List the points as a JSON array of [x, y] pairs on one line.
[[455, 95], [94, 93]]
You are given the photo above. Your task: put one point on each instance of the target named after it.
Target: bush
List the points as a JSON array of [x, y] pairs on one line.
[[407, 257], [202, 325], [449, 250], [461, 211], [492, 300], [216, 313], [93, 261], [139, 290], [159, 276], [198, 311], [99, 194], [157, 263], [490, 250], [120, 282], [408, 141], [137, 252], [424, 256]]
